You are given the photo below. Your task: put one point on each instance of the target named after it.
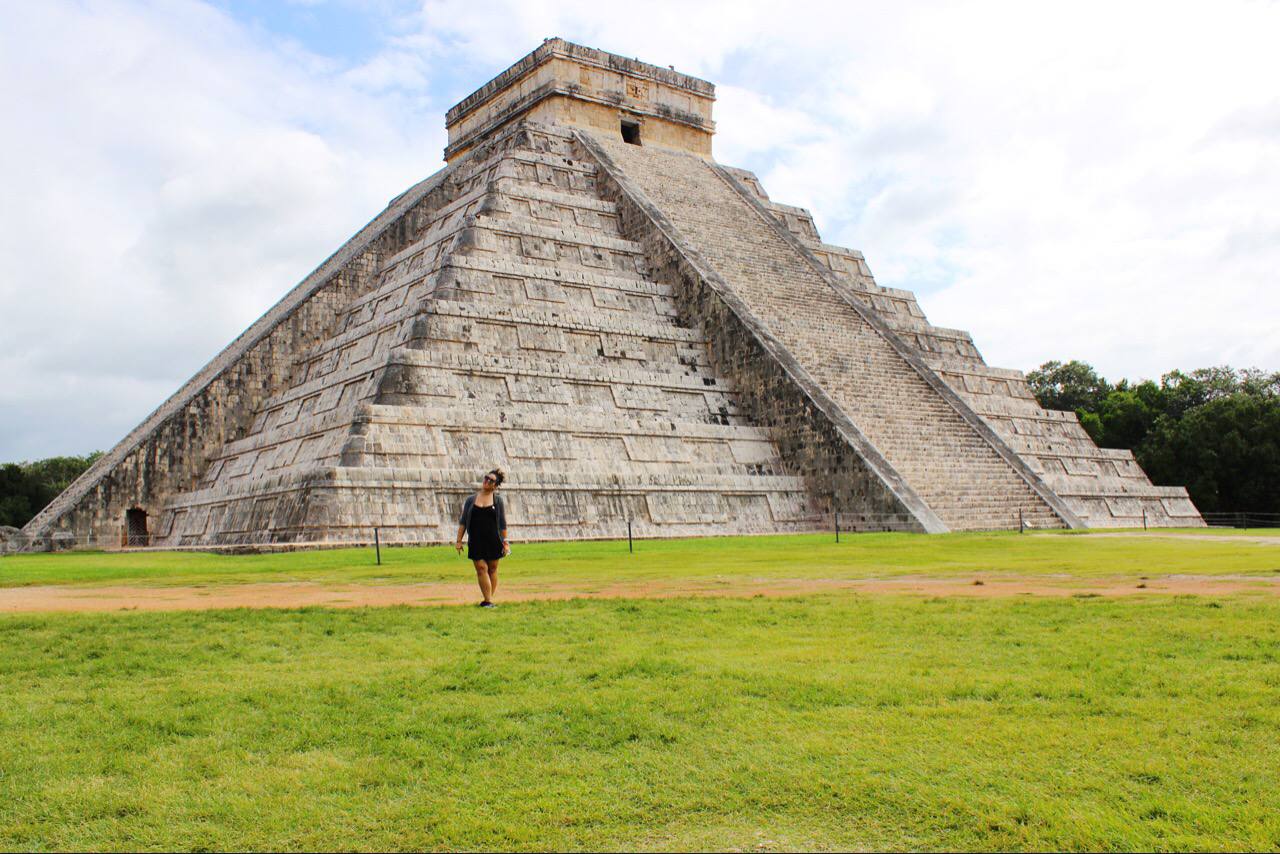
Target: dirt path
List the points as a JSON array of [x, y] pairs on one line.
[[303, 594]]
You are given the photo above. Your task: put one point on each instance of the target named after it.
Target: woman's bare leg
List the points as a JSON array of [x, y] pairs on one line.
[[493, 577], [482, 578]]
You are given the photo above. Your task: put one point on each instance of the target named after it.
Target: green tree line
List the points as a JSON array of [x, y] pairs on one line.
[[25, 488], [1215, 431]]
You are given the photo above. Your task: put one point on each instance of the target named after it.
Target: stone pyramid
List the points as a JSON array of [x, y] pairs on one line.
[[637, 333]]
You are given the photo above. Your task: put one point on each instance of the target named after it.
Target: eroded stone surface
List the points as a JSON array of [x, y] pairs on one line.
[[637, 334]]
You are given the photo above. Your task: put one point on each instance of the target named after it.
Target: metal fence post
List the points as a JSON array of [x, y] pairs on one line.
[[377, 546], [1022, 528], [837, 515], [630, 546]]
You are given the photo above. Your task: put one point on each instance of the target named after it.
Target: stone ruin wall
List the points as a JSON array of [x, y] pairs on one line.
[[401, 451], [773, 391], [170, 451], [1103, 486], [561, 83], [865, 442]]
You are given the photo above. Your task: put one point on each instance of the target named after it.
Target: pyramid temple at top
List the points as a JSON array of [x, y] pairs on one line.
[[637, 333]]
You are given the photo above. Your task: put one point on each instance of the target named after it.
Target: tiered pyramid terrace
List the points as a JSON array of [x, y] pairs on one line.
[[639, 335]]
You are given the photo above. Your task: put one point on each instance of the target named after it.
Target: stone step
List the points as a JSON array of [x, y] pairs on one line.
[[504, 182], [580, 422], [1051, 443], [456, 478], [474, 276], [551, 161], [1069, 448], [357, 531], [995, 404], [509, 195], [565, 315], [530, 452], [1019, 432], [553, 169], [571, 381], [561, 248], [509, 381], [614, 305], [568, 367], [442, 332], [557, 232], [629, 324], [444, 224], [478, 460], [1078, 486], [621, 332], [593, 278], [922, 434], [421, 504], [934, 340], [951, 364], [402, 298], [741, 443], [1106, 509]]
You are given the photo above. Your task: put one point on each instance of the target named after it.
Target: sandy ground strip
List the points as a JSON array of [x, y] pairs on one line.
[[310, 594]]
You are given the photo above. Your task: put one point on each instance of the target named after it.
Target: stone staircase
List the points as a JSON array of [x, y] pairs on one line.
[[645, 340], [956, 470], [1103, 486], [520, 329]]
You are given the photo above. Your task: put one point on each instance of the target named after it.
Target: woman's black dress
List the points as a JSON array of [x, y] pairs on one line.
[[484, 541]]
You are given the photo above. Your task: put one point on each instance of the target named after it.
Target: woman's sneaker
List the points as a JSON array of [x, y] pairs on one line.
[[487, 605]]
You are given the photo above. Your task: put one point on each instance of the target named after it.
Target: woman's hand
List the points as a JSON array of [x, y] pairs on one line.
[[458, 545], [506, 548]]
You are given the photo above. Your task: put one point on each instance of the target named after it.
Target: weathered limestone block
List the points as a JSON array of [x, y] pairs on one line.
[[12, 540], [821, 333], [643, 338]]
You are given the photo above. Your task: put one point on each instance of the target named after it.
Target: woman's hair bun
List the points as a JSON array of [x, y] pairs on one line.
[[498, 475]]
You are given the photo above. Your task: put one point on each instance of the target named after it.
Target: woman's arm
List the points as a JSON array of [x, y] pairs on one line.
[[502, 522], [463, 520]]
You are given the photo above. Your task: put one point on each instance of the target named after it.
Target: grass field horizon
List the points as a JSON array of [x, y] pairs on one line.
[[832, 721], [1083, 554]]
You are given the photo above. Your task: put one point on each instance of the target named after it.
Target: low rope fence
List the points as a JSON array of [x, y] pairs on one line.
[[839, 524], [1242, 519]]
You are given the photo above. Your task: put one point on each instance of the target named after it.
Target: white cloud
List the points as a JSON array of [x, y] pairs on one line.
[[169, 177], [1087, 180]]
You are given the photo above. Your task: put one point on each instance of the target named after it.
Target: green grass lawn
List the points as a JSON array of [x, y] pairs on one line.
[[832, 721], [804, 556]]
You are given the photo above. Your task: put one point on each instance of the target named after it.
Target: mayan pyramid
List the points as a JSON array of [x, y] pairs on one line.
[[638, 334]]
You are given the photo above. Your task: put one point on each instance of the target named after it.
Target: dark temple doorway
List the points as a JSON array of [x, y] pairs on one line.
[[135, 521]]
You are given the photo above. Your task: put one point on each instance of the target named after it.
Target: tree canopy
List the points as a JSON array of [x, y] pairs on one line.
[[1068, 386], [1213, 430], [25, 488]]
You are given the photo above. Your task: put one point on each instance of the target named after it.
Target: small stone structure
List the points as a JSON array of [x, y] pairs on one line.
[[11, 540], [637, 333]]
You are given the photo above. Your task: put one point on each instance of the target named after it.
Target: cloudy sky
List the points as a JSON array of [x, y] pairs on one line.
[[1082, 180]]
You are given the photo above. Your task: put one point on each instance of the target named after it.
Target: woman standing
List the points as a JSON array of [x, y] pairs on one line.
[[484, 522]]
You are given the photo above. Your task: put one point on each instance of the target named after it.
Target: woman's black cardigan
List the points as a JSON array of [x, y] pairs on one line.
[[464, 521]]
